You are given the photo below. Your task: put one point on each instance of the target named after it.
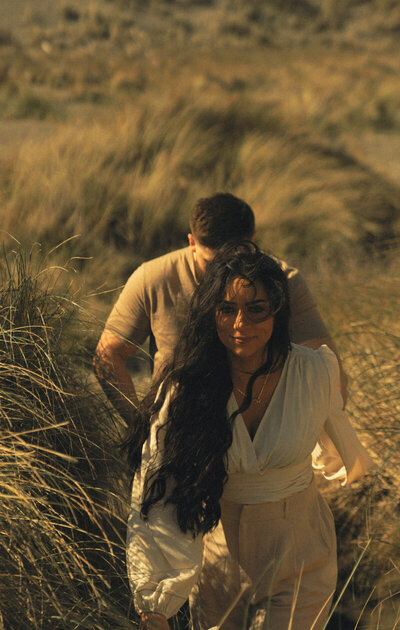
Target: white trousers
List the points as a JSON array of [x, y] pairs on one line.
[[268, 566]]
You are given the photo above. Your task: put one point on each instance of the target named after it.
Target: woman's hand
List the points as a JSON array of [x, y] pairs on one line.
[[153, 621]]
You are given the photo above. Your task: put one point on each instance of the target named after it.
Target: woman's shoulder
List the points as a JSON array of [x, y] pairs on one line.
[[319, 358], [304, 351]]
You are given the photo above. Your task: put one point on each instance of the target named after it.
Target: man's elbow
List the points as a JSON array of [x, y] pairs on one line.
[[95, 363], [101, 362]]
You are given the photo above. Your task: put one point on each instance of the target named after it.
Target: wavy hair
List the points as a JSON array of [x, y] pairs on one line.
[[198, 431]]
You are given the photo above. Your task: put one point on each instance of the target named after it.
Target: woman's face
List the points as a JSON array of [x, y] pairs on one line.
[[243, 322]]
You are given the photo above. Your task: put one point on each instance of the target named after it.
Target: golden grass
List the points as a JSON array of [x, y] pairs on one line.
[[62, 500], [65, 546], [126, 184], [361, 307], [151, 109]]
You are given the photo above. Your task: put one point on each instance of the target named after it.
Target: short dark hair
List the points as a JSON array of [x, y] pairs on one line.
[[220, 219]]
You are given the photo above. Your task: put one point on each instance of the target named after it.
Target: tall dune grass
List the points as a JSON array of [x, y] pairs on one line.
[[163, 104], [126, 184], [63, 501], [152, 124], [62, 490], [362, 309]]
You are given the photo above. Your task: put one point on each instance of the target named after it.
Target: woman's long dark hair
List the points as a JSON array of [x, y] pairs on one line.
[[198, 430]]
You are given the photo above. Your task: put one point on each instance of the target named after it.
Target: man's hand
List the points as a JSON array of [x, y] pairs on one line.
[[153, 621], [109, 365]]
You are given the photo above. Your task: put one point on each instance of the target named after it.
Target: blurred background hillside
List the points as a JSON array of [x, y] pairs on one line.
[[115, 116]]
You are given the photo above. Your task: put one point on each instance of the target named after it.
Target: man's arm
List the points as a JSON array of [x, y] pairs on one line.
[[307, 327], [109, 365], [315, 343], [153, 621]]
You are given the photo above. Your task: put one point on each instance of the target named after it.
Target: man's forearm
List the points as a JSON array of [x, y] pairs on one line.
[[153, 621], [117, 384]]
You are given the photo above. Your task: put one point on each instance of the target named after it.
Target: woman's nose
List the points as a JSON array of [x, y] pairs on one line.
[[240, 319]]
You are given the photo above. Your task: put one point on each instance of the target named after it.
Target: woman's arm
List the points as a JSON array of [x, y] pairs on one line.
[[339, 453]]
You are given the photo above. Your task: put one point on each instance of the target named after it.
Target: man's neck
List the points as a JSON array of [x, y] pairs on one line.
[[198, 275]]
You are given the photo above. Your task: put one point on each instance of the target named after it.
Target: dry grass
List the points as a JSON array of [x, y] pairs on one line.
[[146, 125], [126, 184], [362, 308], [62, 499], [147, 109]]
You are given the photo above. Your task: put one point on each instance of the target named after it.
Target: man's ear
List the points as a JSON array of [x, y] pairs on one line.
[[192, 242]]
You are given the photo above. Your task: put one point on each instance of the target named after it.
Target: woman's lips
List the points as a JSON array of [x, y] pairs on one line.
[[240, 340]]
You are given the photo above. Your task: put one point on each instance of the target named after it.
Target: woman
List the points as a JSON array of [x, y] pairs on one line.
[[224, 506]]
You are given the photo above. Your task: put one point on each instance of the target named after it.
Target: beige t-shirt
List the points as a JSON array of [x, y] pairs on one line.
[[156, 299]]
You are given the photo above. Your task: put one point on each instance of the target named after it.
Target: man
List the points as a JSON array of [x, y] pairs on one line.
[[156, 297]]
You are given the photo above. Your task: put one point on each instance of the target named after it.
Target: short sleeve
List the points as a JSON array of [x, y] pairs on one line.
[[305, 320], [130, 316], [339, 453], [163, 563]]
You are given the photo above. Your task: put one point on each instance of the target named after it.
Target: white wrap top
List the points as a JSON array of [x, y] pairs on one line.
[[306, 408]]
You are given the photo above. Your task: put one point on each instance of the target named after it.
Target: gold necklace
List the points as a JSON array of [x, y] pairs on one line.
[[256, 399]]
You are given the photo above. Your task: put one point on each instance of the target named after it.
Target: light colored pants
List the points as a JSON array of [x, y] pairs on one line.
[[273, 564]]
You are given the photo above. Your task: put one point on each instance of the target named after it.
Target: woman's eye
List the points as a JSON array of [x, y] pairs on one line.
[[226, 309], [257, 309]]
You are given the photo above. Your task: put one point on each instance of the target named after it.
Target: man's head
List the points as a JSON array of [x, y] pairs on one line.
[[216, 221]]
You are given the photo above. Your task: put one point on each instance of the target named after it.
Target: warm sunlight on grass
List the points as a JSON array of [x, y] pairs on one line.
[[115, 116]]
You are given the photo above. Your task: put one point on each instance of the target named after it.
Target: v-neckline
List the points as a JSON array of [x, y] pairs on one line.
[[274, 394]]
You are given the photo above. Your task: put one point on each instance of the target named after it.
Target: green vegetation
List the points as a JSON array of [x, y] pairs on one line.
[[115, 116]]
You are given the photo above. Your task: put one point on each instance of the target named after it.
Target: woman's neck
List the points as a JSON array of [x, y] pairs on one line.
[[242, 368]]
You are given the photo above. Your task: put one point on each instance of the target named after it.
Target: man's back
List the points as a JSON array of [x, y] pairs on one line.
[[155, 301]]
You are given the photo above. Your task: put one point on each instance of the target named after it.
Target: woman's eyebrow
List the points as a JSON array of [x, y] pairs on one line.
[[260, 300]]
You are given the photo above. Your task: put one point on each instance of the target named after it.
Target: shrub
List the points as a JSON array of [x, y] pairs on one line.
[[6, 37], [71, 14], [25, 104]]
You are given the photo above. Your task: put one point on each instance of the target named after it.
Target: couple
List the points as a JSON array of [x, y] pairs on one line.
[[224, 507]]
